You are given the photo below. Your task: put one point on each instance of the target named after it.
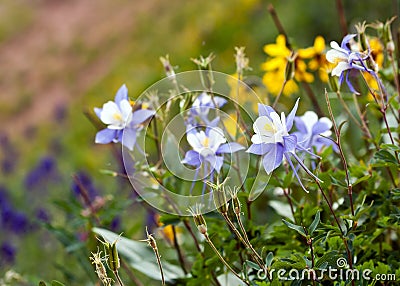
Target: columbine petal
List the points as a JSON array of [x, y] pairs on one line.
[[194, 140], [98, 111], [105, 136], [141, 115], [231, 147], [334, 55], [192, 158], [216, 162], [111, 114], [216, 138], [259, 149], [273, 158], [264, 110], [340, 68], [122, 94], [290, 143], [323, 125], [292, 114], [126, 110], [129, 138], [263, 126], [346, 40]]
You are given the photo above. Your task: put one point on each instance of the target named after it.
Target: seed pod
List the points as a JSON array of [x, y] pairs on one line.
[[220, 200]]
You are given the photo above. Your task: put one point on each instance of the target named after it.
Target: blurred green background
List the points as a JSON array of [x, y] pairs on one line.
[[61, 58]]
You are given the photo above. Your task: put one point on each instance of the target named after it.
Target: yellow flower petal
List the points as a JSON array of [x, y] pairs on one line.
[[319, 44]]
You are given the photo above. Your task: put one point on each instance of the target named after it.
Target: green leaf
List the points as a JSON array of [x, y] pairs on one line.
[[253, 265], [297, 228], [260, 184], [141, 257], [383, 158], [269, 258], [56, 283], [330, 258], [41, 283], [315, 223]]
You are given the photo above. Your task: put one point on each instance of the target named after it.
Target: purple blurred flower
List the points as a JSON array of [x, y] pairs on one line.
[[313, 131], [44, 172], [122, 122], [83, 181], [7, 253], [273, 142], [42, 215], [208, 148], [346, 60]]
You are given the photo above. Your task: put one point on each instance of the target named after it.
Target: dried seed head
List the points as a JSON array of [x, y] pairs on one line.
[[198, 218], [242, 62], [169, 70]]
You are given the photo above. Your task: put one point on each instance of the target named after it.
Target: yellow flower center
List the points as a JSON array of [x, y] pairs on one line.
[[206, 142], [117, 116], [270, 128]]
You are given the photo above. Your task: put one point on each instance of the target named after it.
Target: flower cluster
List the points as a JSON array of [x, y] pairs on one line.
[[273, 142], [304, 62]]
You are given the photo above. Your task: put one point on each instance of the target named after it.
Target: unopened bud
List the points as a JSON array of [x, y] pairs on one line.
[[290, 66], [199, 220], [220, 200], [334, 83], [111, 254]]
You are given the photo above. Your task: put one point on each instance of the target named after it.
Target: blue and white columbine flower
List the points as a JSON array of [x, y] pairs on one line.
[[208, 148], [313, 131], [273, 142], [203, 103], [122, 122], [346, 60]]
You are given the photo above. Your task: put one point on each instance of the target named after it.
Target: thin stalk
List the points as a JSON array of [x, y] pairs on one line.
[[278, 24], [279, 94], [118, 278], [343, 158], [130, 273], [287, 195], [245, 241], [223, 260], [178, 250], [342, 17]]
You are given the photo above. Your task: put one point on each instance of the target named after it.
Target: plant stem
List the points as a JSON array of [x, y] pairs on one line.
[[178, 250], [343, 158], [222, 259], [130, 273], [278, 24], [118, 278], [342, 17]]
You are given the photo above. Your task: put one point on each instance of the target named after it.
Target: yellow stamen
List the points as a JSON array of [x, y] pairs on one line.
[[206, 142], [117, 116], [269, 128]]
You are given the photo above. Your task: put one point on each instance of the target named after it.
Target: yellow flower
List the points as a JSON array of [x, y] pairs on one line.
[[275, 68], [317, 59]]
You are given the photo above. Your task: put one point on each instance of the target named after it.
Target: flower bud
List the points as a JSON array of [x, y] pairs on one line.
[[199, 220], [220, 200], [290, 66], [334, 83]]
